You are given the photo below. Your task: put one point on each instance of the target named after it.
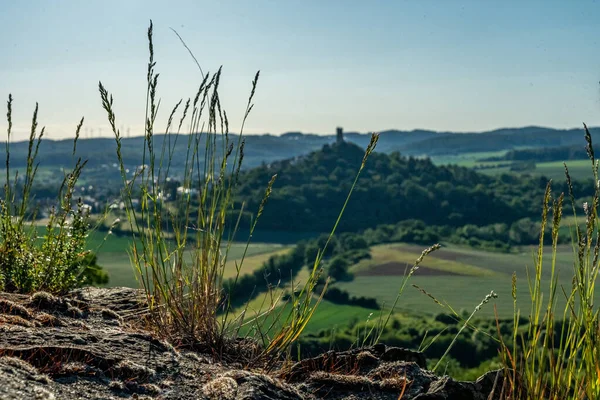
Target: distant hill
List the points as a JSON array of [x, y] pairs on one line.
[[310, 191], [502, 139], [98, 151], [268, 148]]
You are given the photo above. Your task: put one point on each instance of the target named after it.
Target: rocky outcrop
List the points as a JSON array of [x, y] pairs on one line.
[[88, 345]]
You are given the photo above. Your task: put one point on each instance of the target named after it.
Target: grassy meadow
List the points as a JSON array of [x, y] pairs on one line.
[[555, 170], [114, 258], [458, 276], [329, 316], [113, 255]]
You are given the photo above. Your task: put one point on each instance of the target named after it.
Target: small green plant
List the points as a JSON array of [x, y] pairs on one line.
[[560, 358], [58, 260]]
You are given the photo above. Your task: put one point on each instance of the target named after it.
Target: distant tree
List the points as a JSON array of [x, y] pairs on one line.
[[92, 273], [338, 269]]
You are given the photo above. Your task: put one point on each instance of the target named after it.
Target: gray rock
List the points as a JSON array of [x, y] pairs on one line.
[[19, 380], [90, 345]]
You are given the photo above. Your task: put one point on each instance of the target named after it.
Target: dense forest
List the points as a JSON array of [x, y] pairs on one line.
[[501, 139], [310, 191]]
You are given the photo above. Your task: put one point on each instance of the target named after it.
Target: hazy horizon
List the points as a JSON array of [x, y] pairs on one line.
[[462, 66], [323, 134]]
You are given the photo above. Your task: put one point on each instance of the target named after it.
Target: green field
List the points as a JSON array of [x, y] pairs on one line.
[[112, 251], [458, 276], [327, 317], [330, 316], [113, 257], [44, 174], [578, 169]]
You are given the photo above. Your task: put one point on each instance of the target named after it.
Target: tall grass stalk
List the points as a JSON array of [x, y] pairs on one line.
[[559, 358], [485, 300], [303, 305], [378, 329]]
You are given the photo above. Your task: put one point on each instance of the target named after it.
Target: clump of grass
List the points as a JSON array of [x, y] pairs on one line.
[[58, 261], [179, 253], [560, 359]]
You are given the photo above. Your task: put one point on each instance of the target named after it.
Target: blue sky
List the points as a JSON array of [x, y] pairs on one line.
[[367, 66]]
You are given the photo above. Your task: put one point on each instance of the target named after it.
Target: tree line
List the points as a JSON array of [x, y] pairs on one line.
[[547, 154]]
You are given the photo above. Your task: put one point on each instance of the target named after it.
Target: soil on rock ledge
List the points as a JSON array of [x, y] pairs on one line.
[[86, 346]]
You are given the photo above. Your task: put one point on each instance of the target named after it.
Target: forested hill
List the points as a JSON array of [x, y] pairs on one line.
[[501, 139], [310, 190]]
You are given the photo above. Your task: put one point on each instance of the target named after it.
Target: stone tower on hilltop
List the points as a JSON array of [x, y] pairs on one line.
[[339, 135]]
